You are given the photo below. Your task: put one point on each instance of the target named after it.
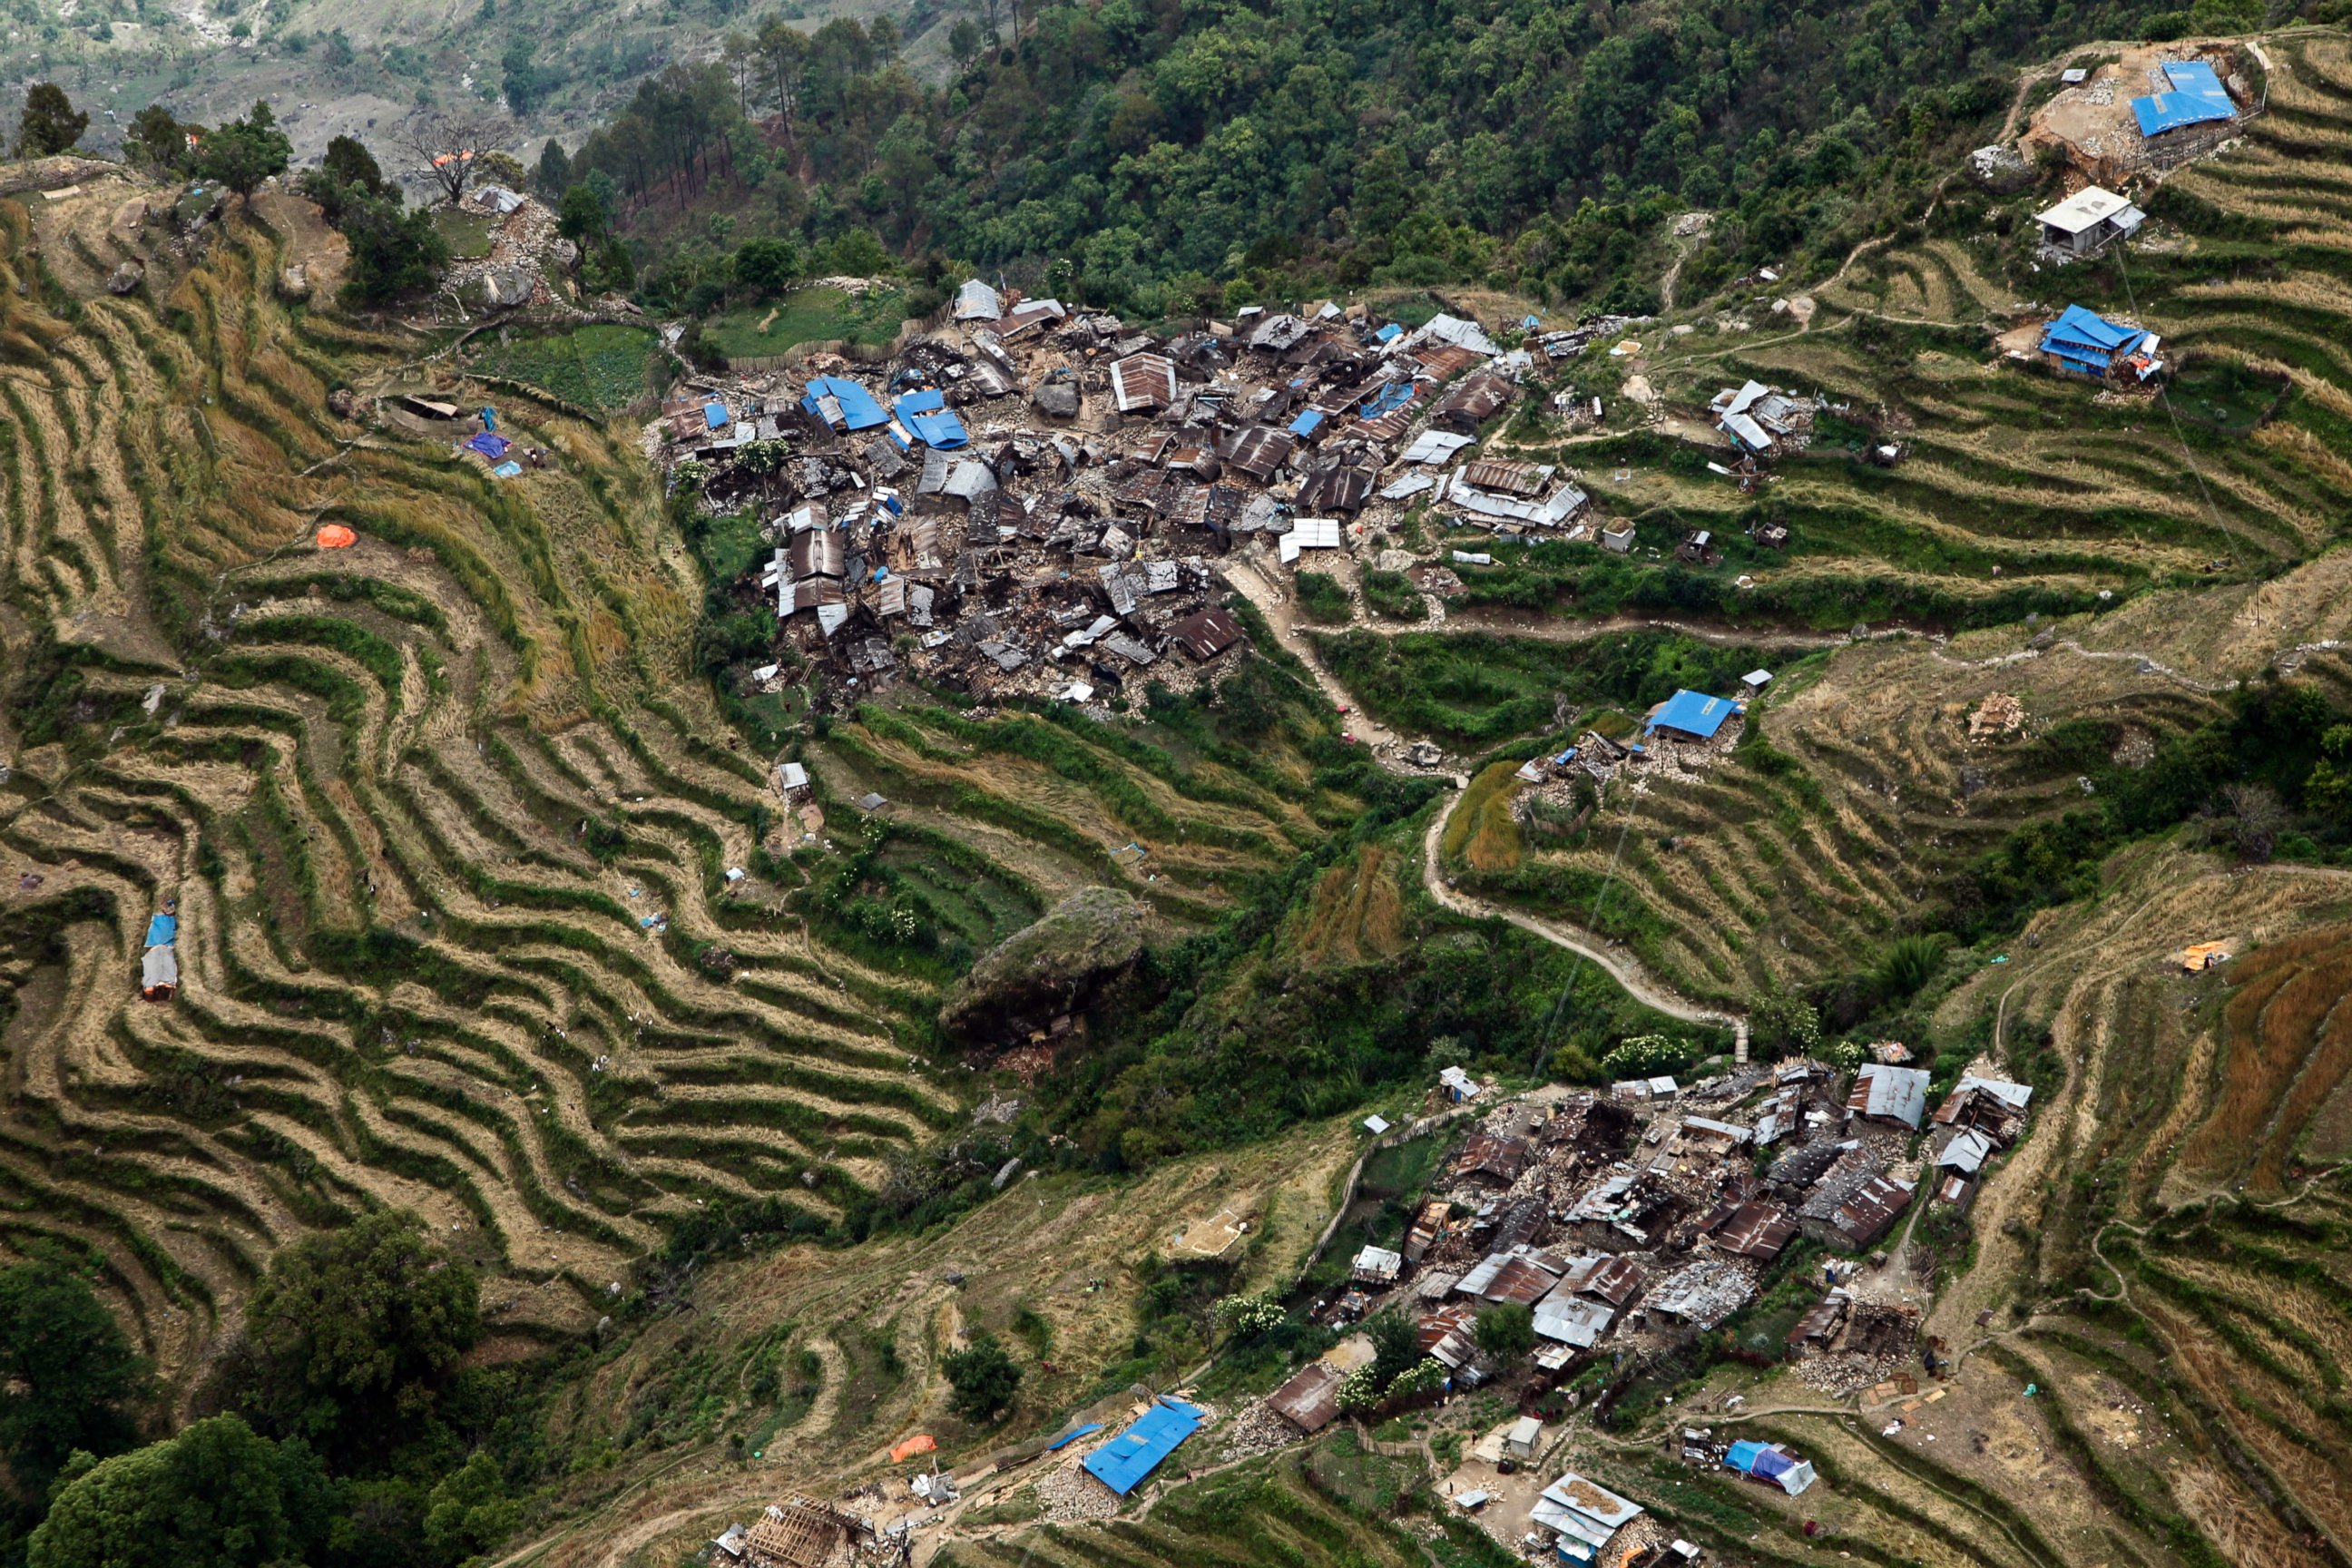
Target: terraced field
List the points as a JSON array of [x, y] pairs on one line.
[[450, 821], [2018, 488]]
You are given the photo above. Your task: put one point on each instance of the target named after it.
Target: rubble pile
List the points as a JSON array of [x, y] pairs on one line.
[[1256, 1430], [1067, 1495], [1035, 501]]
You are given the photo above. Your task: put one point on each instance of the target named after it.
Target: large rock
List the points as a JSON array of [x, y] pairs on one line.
[[1047, 968]]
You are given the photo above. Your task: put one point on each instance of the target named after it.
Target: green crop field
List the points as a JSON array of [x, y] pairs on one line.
[[595, 367], [803, 316]]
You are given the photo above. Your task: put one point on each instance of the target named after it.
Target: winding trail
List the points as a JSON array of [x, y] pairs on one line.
[[1250, 581]]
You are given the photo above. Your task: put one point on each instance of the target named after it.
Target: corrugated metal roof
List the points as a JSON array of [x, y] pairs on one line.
[[2078, 212], [1143, 381], [1693, 714], [2196, 98], [1135, 1453], [1890, 1093]]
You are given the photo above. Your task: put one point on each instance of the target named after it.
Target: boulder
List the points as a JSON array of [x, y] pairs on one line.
[[1057, 400], [1047, 968]]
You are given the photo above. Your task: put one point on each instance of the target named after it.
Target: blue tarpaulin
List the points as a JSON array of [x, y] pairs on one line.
[[934, 424], [714, 417], [1390, 333], [859, 409], [1307, 424], [2197, 97], [2085, 340], [1394, 394], [489, 445], [489, 417], [162, 931], [1067, 1438], [1123, 1462], [1742, 1456], [1693, 714]]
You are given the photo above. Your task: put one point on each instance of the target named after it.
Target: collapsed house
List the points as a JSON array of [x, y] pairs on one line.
[[1762, 421]]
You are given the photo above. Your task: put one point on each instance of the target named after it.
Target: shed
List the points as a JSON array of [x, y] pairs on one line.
[[1890, 1094], [2195, 96], [976, 301], [1378, 1266], [1756, 681], [2089, 344], [1311, 1400], [1524, 1438], [1693, 714], [2087, 220], [1123, 1462], [1582, 1515], [1963, 1149], [1141, 383], [1206, 633]]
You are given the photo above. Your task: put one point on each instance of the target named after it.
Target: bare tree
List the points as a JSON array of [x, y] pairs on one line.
[[447, 147]]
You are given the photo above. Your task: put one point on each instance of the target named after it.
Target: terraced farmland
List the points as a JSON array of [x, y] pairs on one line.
[[2023, 492], [449, 820]]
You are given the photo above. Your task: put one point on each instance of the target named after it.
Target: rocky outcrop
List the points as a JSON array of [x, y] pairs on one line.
[[1046, 969]]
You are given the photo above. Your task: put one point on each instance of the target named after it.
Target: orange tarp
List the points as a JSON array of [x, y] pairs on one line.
[[921, 1443], [2204, 955], [335, 536]]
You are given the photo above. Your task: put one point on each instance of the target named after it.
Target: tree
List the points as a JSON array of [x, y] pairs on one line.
[[525, 84], [217, 1496], [500, 169], [352, 164], [71, 1374], [244, 152], [470, 1512], [442, 147], [964, 43], [394, 252], [766, 266], [1781, 1021], [582, 216], [156, 138], [984, 1379], [50, 123], [1506, 1332], [1396, 1346], [553, 175], [351, 1331]]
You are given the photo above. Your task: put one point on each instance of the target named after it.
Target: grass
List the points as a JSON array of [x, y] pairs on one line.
[[1482, 832], [468, 234], [805, 316], [602, 368], [1324, 598]]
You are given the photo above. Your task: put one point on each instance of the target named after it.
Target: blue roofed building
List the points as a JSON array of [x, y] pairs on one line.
[[1693, 714], [925, 414], [2085, 343], [842, 404], [2196, 97], [1122, 1463]]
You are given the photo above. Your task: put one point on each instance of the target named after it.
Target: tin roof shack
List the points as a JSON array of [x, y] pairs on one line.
[[2086, 222], [1583, 1518], [1508, 494], [1760, 1231], [1890, 1096], [1311, 1400], [1122, 1463], [1492, 1159], [1763, 421], [1520, 1277], [1818, 1328], [1627, 1213], [1377, 1268], [800, 1534], [1472, 401], [1868, 1212], [2080, 343], [1993, 1107], [1692, 716], [1143, 383]]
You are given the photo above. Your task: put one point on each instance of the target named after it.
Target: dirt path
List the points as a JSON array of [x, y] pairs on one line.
[[1280, 611]]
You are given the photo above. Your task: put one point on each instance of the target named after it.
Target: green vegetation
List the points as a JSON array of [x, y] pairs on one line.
[[467, 234], [984, 1378], [805, 316], [600, 368]]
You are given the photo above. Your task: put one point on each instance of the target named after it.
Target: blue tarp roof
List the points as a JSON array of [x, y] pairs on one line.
[[859, 409], [162, 931], [1694, 713], [2197, 97], [1742, 1456], [714, 417], [1135, 1453], [1307, 423], [1394, 394], [2079, 334], [1067, 1438], [1390, 333], [934, 424]]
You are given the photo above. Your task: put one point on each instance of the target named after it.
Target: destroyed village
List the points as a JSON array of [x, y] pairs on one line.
[[1102, 784]]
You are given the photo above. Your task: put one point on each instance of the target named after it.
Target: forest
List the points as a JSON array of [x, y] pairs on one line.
[[1158, 156]]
